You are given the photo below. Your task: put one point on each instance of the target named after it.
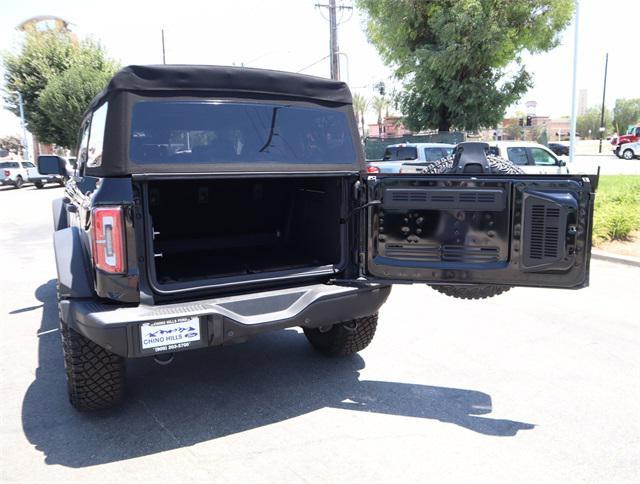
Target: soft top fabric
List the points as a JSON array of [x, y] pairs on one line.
[[190, 78]]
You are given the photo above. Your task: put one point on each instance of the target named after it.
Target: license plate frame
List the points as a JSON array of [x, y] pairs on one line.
[[169, 335]]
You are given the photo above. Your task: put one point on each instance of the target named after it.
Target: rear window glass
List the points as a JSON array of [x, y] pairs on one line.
[[434, 154], [211, 132], [9, 164], [398, 153]]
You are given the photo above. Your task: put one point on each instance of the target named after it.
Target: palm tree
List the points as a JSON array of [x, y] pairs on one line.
[[360, 105], [379, 105]]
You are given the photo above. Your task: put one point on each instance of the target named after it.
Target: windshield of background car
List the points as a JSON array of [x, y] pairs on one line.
[[398, 153], [216, 132]]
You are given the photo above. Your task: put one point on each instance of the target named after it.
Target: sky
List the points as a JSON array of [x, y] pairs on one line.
[[292, 35]]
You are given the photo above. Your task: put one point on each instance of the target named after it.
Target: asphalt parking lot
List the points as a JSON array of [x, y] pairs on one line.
[[532, 386]]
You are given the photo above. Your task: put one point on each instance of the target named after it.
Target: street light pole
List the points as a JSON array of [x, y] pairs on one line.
[[572, 137]]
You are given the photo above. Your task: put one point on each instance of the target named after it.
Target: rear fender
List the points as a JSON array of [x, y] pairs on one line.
[[72, 262], [60, 220]]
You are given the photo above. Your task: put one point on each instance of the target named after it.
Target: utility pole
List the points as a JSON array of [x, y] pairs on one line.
[[333, 41], [334, 50], [163, 58], [604, 92]]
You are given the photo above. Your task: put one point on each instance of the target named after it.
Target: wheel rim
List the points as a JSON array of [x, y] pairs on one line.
[[19, 181], [627, 155]]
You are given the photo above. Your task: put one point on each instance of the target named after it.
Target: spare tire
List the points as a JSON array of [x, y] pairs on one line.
[[498, 166]]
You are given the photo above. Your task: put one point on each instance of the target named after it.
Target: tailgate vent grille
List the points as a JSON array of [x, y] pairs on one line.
[[445, 199], [445, 253], [544, 228], [544, 234]]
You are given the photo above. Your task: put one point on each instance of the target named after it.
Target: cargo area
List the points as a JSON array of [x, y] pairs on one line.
[[246, 228]]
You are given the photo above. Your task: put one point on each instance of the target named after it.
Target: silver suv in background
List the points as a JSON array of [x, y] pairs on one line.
[[400, 156]]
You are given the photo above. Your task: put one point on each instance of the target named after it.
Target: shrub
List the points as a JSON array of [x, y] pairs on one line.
[[617, 211]]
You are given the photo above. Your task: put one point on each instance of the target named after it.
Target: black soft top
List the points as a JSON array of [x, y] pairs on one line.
[[135, 83], [194, 78]]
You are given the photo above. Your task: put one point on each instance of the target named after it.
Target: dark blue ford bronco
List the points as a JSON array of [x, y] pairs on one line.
[[214, 203]]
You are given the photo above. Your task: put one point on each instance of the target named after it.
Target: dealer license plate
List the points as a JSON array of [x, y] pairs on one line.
[[171, 334]]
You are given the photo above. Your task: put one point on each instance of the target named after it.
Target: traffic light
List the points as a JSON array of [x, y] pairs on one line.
[[529, 119]]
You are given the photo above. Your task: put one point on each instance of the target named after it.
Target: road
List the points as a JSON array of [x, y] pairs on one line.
[[532, 386], [609, 165]]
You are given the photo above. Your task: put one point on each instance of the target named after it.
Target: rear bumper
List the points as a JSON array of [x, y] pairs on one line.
[[223, 320], [7, 181], [46, 179]]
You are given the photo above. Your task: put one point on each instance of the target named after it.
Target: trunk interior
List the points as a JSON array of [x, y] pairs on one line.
[[245, 229]]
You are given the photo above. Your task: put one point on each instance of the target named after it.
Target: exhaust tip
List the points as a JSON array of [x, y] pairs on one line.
[[164, 360]]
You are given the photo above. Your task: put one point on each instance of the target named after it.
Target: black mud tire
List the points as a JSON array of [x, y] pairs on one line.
[[344, 339], [471, 292], [39, 185], [498, 166], [95, 376], [19, 182]]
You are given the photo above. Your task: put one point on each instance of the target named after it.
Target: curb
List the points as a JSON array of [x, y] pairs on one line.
[[618, 259]]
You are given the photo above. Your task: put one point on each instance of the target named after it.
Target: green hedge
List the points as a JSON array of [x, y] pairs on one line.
[[617, 211]]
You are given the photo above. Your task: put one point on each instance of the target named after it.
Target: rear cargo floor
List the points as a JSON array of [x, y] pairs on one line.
[[230, 262]]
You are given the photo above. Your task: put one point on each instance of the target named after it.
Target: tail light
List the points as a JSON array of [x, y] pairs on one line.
[[107, 231], [7, 173], [373, 169]]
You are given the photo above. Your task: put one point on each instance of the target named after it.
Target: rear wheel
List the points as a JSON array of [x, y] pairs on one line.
[[498, 166], [344, 338], [19, 182], [39, 184], [95, 376], [627, 154]]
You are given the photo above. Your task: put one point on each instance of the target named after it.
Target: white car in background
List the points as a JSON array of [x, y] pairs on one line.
[[532, 158], [629, 151], [16, 172]]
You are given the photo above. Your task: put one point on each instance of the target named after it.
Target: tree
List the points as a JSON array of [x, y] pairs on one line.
[[588, 125], [626, 112], [360, 105], [43, 58], [454, 58], [12, 144], [514, 131], [379, 105], [67, 97]]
